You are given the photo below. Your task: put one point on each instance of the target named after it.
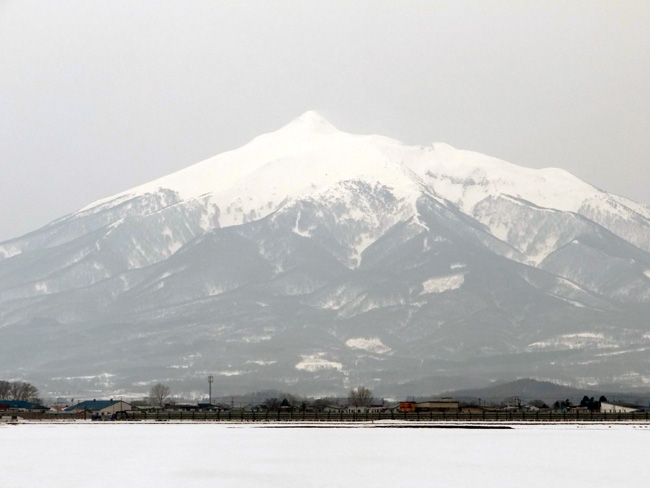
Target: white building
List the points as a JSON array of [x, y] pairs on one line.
[[614, 408], [101, 407]]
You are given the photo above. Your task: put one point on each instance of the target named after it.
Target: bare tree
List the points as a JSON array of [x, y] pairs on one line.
[[159, 393], [19, 390], [5, 388], [360, 396], [271, 404]]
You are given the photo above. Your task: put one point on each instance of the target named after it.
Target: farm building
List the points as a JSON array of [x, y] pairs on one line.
[[444, 405], [474, 409], [333, 408], [367, 409], [101, 407], [618, 407], [20, 406]]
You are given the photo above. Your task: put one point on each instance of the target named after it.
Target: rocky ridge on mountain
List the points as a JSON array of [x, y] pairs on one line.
[[316, 260]]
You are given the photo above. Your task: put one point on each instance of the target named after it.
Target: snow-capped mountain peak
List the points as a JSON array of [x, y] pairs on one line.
[[310, 121], [314, 153], [306, 156], [308, 241], [309, 157]]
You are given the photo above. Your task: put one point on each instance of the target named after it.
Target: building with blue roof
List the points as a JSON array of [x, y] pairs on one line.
[[100, 407], [20, 405]]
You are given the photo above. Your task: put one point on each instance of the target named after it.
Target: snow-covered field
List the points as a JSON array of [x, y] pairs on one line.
[[294, 455]]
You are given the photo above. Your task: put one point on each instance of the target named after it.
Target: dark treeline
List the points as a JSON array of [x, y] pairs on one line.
[[272, 400], [18, 390]]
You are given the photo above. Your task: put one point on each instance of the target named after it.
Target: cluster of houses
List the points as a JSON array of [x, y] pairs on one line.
[[95, 408], [118, 409], [451, 406]]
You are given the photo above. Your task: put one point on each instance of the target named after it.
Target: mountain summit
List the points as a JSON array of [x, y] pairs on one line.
[[315, 259], [310, 121]]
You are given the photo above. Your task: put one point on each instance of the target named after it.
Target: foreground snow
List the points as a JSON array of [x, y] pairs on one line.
[[288, 455]]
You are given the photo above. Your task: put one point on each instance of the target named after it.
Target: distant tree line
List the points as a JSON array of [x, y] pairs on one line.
[[359, 396], [18, 390], [591, 404]]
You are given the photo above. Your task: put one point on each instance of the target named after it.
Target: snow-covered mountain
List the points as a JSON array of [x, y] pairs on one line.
[[315, 259]]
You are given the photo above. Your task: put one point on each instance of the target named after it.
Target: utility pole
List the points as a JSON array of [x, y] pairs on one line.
[[210, 379]]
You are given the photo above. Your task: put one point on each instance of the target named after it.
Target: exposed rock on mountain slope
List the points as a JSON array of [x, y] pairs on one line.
[[315, 259]]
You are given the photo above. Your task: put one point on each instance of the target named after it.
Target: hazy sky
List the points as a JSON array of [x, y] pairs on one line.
[[99, 96]]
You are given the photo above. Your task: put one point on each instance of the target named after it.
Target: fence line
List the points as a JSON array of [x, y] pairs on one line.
[[280, 416], [406, 416]]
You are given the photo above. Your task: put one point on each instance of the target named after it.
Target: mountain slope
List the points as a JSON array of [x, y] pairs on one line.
[[315, 259]]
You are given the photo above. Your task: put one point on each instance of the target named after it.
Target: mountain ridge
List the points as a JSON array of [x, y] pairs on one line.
[[528, 389], [315, 258]]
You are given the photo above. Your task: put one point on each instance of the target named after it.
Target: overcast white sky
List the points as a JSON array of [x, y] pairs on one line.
[[100, 96]]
